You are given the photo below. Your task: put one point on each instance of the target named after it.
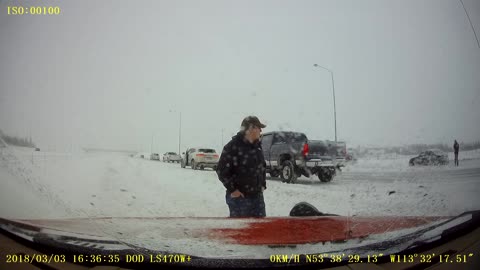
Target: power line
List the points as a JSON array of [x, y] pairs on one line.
[[473, 29]]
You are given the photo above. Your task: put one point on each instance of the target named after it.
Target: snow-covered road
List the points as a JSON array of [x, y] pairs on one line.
[[58, 185]]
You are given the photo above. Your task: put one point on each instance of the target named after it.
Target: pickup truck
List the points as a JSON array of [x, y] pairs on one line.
[[291, 155]]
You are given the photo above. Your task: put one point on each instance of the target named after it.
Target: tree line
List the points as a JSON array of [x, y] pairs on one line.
[[17, 141], [414, 149]]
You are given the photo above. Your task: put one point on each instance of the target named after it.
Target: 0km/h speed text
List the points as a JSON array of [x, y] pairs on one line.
[[323, 258]]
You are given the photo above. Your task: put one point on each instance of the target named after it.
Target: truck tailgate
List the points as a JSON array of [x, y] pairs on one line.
[[319, 154]]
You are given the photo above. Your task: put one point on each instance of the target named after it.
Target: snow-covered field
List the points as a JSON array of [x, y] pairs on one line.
[[58, 185]]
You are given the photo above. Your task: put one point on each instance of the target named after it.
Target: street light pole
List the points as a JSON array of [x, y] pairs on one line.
[[180, 133], [179, 128], [151, 145], [334, 105]]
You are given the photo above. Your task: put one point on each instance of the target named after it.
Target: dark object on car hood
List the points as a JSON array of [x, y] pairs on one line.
[[304, 209]]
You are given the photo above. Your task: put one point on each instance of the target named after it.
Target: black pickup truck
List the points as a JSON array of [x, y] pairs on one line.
[[291, 155]]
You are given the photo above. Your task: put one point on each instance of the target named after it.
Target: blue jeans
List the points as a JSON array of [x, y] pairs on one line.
[[246, 207]]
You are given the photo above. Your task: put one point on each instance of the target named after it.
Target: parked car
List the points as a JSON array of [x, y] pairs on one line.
[[292, 154], [200, 158], [171, 157], [37, 149], [430, 157], [154, 156]]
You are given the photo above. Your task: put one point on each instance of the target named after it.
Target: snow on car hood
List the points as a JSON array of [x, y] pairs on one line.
[[224, 238]]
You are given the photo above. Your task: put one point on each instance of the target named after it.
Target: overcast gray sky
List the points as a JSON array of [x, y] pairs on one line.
[[115, 73]]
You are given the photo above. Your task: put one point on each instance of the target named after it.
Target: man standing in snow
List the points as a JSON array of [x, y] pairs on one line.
[[456, 147], [241, 169]]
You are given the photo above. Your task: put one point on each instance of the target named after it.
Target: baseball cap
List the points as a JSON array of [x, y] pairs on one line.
[[252, 120]]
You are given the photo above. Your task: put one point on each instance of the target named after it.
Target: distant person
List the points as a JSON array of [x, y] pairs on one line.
[[456, 147], [242, 170]]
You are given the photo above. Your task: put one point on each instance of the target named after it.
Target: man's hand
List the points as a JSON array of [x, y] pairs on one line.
[[237, 194]]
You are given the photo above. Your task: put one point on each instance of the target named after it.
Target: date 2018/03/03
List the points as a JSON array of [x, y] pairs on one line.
[[92, 258]]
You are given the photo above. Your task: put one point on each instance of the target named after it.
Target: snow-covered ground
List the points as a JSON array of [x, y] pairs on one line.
[[58, 185]]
